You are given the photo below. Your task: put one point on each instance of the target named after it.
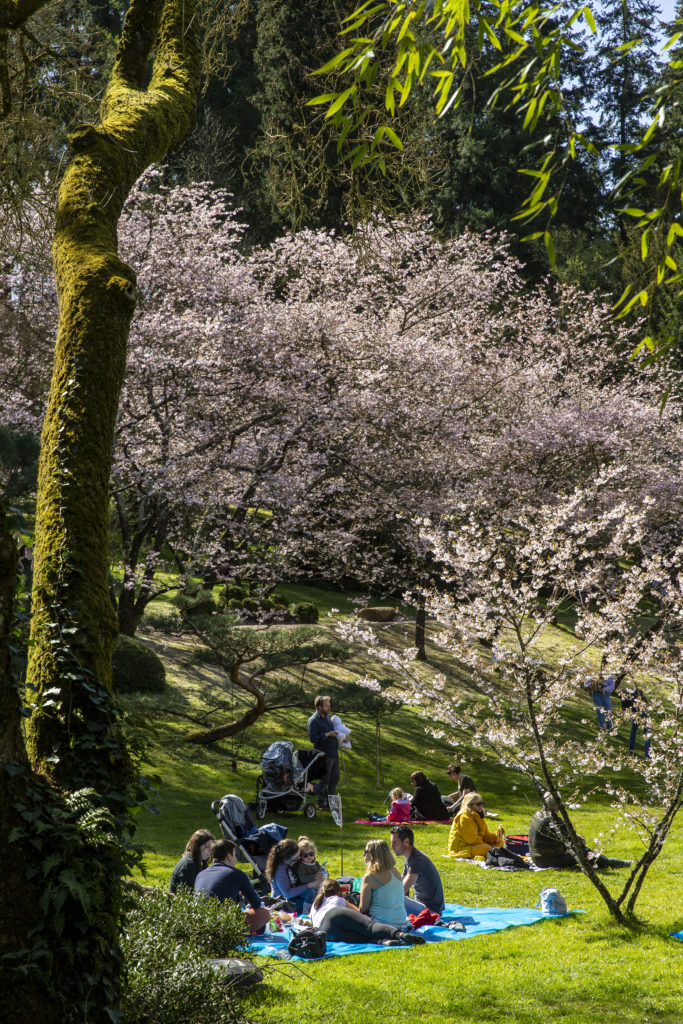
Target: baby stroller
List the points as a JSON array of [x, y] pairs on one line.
[[284, 778], [253, 844]]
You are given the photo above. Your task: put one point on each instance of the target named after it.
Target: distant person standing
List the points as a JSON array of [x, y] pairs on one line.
[[323, 736], [635, 703], [601, 690]]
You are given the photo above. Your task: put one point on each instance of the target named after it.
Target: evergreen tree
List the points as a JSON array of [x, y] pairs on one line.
[[622, 81]]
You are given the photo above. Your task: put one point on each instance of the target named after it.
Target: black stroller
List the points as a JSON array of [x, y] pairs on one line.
[[253, 844], [285, 775]]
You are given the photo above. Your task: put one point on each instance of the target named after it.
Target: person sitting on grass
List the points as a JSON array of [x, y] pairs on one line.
[[195, 858], [418, 872], [225, 881], [381, 891], [343, 922], [281, 872], [427, 801], [400, 806], [469, 837], [453, 801], [547, 845]]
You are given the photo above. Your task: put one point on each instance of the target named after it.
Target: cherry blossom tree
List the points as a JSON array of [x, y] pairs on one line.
[[591, 560]]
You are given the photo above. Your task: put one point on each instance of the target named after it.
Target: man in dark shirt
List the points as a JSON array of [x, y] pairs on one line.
[[224, 881], [323, 736], [418, 873]]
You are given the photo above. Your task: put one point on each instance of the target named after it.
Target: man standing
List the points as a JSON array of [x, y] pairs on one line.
[[323, 736], [224, 881], [418, 873]]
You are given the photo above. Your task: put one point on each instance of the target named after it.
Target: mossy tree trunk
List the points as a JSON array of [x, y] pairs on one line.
[[72, 735]]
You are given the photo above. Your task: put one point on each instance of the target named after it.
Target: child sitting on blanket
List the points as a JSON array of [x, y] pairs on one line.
[[400, 806], [307, 866], [399, 810]]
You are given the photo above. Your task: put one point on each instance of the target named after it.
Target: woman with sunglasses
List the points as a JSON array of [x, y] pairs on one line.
[[281, 873], [469, 836], [381, 889]]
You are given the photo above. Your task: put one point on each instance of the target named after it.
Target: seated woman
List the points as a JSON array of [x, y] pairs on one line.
[[281, 872], [427, 800], [195, 858], [469, 836], [381, 891], [342, 922]]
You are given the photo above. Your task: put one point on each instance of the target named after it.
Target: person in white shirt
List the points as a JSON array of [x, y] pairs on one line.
[[343, 922]]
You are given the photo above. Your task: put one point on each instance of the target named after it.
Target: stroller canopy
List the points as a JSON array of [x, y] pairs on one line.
[[278, 757]]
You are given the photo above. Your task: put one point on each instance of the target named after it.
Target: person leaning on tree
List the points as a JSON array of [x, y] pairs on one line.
[[323, 736]]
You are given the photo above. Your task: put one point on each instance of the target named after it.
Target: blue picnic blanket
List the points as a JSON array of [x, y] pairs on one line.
[[476, 920], [678, 935]]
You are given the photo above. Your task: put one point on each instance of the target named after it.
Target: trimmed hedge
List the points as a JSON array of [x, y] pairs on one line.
[[305, 612], [379, 614], [136, 667]]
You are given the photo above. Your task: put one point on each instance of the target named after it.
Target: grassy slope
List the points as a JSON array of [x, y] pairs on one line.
[[581, 970]]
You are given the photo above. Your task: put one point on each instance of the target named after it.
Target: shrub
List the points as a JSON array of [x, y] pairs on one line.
[[235, 592], [136, 667], [377, 614], [305, 611], [166, 947], [196, 602]]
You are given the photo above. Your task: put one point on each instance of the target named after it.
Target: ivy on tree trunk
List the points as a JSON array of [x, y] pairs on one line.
[[72, 735]]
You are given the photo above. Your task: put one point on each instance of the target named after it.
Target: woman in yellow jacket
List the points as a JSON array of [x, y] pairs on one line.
[[469, 836]]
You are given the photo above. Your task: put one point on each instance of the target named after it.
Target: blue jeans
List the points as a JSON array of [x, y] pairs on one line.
[[603, 703], [646, 739]]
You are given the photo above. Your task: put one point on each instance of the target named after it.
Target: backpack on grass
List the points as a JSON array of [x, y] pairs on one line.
[[552, 904], [308, 944]]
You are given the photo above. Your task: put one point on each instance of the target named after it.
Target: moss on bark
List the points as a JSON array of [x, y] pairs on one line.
[[72, 734]]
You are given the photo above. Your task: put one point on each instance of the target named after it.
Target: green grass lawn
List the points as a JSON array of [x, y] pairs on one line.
[[580, 970]]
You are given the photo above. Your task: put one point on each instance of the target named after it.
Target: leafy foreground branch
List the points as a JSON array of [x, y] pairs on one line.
[[587, 560]]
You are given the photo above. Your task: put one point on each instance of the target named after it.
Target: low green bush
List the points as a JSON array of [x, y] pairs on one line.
[[136, 667], [166, 946], [198, 602], [235, 592], [305, 612], [378, 614]]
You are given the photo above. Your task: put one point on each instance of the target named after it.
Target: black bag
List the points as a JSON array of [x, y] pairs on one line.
[[498, 857], [308, 944]]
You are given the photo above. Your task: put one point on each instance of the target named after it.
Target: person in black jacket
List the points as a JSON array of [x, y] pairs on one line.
[[427, 800], [548, 848], [323, 736], [195, 858]]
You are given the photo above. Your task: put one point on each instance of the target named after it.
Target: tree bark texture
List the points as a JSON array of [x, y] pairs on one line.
[[72, 969], [74, 627]]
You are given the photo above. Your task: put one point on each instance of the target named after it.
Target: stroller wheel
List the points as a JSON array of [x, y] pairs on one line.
[[309, 810], [261, 810]]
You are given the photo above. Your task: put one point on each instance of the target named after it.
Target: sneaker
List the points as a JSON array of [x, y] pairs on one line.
[[390, 942], [411, 939]]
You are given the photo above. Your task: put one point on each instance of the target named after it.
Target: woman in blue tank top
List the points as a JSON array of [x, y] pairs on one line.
[[381, 893]]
